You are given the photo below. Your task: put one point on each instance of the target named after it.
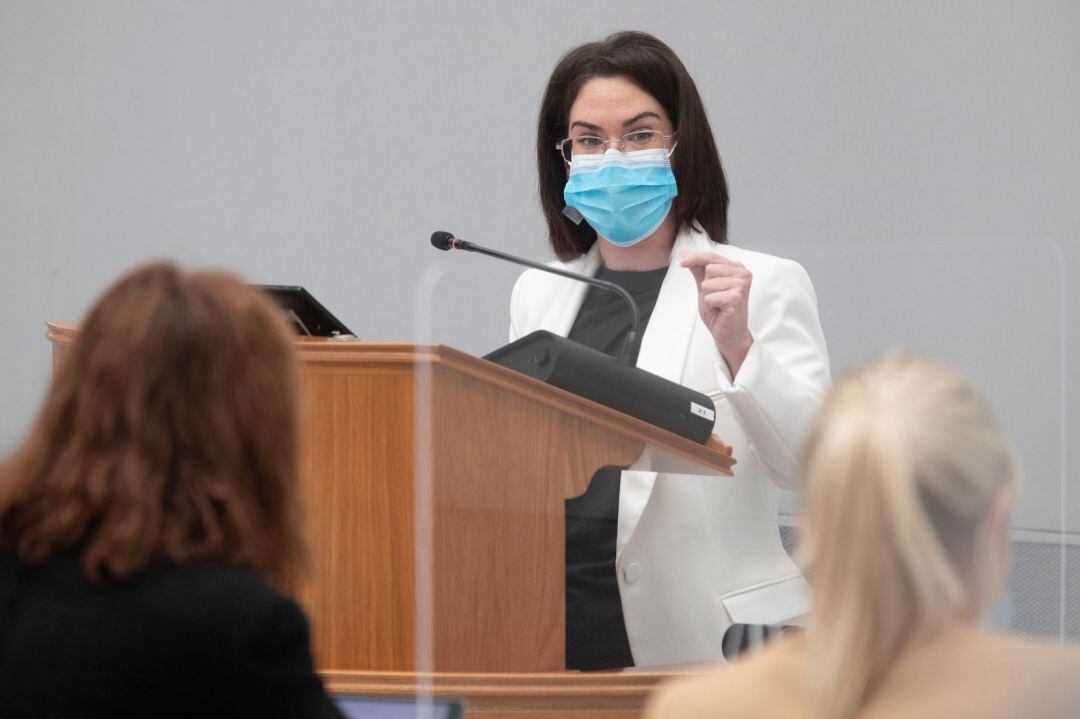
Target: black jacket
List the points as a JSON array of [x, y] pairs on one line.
[[199, 641]]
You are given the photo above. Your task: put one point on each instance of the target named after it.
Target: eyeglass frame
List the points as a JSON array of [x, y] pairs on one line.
[[621, 140]]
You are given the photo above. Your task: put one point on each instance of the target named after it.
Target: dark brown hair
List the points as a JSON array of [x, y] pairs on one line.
[[655, 68], [169, 433]]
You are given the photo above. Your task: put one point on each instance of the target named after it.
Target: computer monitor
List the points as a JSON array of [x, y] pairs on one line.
[[366, 707], [305, 313]]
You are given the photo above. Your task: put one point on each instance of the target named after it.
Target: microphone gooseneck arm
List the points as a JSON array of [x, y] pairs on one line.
[[628, 355]]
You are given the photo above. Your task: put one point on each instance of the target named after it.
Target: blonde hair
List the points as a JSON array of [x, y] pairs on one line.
[[903, 465]]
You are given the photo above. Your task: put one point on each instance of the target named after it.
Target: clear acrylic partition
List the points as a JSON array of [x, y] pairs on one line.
[[994, 310]]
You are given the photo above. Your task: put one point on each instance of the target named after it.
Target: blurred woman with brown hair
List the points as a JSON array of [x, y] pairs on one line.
[[151, 518], [906, 539]]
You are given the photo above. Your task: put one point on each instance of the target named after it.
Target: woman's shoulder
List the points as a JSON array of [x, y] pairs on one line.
[[1043, 672], [1003, 671], [991, 674], [766, 680], [207, 611], [1006, 652], [239, 642], [200, 593], [212, 578], [210, 591]]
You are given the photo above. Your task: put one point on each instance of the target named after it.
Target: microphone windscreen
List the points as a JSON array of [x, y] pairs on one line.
[[442, 240]]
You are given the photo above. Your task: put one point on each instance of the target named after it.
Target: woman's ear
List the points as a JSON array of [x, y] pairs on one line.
[[1000, 517], [997, 545]]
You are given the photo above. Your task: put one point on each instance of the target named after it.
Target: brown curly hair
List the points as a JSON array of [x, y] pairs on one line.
[[169, 433]]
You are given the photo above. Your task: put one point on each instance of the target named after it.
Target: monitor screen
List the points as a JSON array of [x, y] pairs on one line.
[[304, 313], [361, 707]]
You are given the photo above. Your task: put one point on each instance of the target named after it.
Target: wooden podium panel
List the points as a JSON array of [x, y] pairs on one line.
[[434, 485], [356, 468]]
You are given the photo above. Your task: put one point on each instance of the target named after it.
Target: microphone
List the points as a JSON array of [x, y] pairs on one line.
[[589, 373], [627, 355]]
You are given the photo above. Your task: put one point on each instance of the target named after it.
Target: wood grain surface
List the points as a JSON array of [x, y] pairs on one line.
[[554, 695]]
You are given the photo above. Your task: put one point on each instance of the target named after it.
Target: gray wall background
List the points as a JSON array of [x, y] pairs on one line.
[[919, 158]]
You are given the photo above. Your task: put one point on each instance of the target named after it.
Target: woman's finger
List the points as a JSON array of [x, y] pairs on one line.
[[723, 300], [701, 259], [720, 284], [718, 270]]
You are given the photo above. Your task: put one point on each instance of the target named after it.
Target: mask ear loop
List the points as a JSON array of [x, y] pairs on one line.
[[569, 211]]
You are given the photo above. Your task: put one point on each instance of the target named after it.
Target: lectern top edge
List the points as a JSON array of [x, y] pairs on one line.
[[316, 350]]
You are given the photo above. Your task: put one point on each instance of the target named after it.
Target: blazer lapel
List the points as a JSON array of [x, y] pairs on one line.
[[667, 337], [663, 352]]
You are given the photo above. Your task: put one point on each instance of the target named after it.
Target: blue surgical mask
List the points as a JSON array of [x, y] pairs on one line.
[[624, 196]]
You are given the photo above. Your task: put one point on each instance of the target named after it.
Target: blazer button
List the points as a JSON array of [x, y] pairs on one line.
[[632, 573]]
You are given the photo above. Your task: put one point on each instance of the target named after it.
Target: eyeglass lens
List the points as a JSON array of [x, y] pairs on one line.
[[586, 144]]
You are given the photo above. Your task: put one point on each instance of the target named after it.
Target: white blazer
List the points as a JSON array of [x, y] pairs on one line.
[[695, 554]]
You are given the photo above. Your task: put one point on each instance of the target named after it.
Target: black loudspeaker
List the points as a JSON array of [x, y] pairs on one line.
[[601, 378]]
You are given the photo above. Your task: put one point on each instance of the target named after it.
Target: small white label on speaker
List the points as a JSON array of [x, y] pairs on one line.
[[700, 411]]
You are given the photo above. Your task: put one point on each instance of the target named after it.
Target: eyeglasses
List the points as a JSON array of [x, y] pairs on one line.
[[595, 145]]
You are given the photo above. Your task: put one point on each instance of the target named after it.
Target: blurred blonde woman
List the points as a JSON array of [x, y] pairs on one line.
[[909, 484]]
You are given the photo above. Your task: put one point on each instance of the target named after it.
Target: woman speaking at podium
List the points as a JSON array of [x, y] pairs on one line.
[[631, 184]]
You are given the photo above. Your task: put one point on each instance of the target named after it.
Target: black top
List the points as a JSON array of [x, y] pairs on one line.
[[595, 630], [604, 319], [199, 641]]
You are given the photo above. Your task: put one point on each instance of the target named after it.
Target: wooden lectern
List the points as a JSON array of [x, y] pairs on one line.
[[434, 484]]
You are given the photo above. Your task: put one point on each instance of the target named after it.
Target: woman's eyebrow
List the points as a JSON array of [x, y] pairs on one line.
[[640, 116], [627, 123], [586, 125]]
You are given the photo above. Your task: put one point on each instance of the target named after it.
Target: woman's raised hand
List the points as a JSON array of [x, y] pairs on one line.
[[723, 301]]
